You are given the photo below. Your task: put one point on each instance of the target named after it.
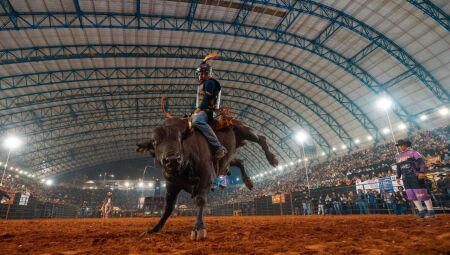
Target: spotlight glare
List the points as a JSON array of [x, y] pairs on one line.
[[12, 142], [291, 163], [386, 131], [334, 148], [141, 184], [323, 153], [301, 137], [423, 117], [127, 184], [402, 126], [49, 182], [343, 146], [369, 138], [384, 103], [357, 141], [443, 111]]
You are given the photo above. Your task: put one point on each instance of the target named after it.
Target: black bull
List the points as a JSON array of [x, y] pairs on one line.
[[187, 163]]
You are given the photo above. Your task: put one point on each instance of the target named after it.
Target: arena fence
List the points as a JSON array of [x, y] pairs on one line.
[[34, 209], [316, 202], [327, 201]]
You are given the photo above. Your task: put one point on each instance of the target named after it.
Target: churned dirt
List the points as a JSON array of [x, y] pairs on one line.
[[376, 234]]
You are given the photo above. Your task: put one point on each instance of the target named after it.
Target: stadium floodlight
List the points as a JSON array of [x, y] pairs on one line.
[[280, 168], [291, 163], [402, 126], [384, 103], [12, 142], [300, 160], [343, 146], [423, 117], [49, 182], [127, 184], [357, 141], [141, 184], [386, 131], [370, 138], [150, 184], [334, 148], [301, 136], [443, 111], [323, 153]]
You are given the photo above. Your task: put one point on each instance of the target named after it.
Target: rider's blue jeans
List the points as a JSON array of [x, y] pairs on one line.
[[200, 121]]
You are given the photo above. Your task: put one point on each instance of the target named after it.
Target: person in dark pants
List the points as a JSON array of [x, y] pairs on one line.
[[361, 201], [400, 201], [208, 99], [411, 170]]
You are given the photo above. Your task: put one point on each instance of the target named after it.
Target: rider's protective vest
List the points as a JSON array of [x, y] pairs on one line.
[[213, 94], [410, 162]]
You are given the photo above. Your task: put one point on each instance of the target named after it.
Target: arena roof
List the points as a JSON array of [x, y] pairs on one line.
[[81, 80]]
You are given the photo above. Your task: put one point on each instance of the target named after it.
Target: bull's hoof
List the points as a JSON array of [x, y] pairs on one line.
[[201, 234], [197, 235], [193, 235], [144, 234]]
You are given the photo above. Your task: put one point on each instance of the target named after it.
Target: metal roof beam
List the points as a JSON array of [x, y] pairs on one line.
[[241, 16], [55, 128], [58, 131], [191, 14], [10, 13], [218, 27], [433, 11], [326, 33], [111, 20], [81, 51], [277, 87], [364, 52], [397, 79], [288, 19], [79, 11]]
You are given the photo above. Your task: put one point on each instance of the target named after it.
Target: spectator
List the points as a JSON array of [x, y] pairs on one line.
[[320, 206], [361, 200]]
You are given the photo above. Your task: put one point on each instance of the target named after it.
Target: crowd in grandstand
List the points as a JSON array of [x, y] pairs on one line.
[[339, 171], [362, 165]]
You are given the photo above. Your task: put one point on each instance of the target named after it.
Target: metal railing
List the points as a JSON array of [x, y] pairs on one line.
[[297, 203]]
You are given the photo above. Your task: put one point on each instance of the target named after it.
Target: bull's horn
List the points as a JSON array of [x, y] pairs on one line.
[[163, 109]]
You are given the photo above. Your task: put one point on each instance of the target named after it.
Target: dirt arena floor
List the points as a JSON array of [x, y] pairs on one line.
[[231, 235]]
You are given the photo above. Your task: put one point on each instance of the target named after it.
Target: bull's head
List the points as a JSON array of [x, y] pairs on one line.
[[166, 145]]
